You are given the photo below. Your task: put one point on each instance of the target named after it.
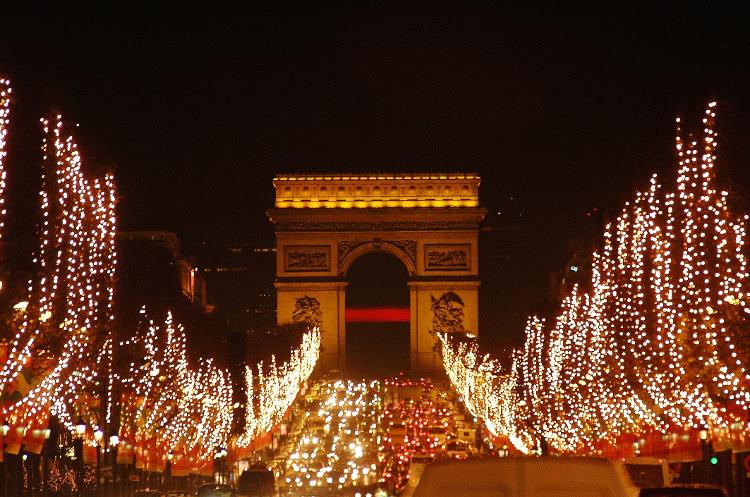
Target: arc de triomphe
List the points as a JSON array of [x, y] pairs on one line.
[[430, 222]]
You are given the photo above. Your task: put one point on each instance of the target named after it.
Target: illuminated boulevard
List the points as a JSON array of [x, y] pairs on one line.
[[527, 230], [367, 438]]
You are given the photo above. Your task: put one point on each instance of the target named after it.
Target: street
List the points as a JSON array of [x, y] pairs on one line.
[[367, 438]]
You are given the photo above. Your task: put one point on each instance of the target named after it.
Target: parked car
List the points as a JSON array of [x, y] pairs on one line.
[[215, 490], [257, 481], [525, 477]]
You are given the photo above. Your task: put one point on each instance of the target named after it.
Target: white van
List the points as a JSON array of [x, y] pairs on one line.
[[648, 472], [525, 477]]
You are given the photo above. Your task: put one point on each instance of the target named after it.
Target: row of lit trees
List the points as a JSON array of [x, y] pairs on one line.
[[656, 346], [64, 331], [271, 389], [171, 411], [63, 363], [105, 386]]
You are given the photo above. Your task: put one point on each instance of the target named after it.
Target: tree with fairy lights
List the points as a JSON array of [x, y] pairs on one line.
[[271, 388], [60, 343], [65, 331], [658, 344], [167, 407]]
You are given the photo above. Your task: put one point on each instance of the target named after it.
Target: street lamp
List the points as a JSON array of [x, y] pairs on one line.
[[170, 456], [3, 465], [80, 427], [220, 456], [114, 441], [98, 436], [705, 452], [21, 306]]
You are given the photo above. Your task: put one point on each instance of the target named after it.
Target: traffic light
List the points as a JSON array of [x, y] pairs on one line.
[[714, 460]]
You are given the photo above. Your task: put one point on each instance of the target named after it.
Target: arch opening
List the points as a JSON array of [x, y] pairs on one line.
[[377, 315]]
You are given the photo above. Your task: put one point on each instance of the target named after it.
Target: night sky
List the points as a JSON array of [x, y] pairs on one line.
[[563, 110]]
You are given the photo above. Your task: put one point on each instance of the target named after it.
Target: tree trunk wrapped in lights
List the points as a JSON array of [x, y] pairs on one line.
[[5, 94]]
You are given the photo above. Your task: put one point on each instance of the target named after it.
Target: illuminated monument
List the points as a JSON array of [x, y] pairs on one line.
[[429, 222]]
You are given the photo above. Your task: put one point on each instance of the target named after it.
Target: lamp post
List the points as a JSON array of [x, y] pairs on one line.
[[114, 440], [3, 482], [80, 428], [45, 453], [98, 436], [705, 453], [220, 457], [168, 469]]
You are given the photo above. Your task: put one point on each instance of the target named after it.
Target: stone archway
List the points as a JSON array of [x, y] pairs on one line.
[[403, 250], [377, 314], [430, 223]]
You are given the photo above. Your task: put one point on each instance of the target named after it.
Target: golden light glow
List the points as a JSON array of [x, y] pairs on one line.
[[376, 191]]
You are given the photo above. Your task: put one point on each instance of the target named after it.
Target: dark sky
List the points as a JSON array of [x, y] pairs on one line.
[[562, 109]]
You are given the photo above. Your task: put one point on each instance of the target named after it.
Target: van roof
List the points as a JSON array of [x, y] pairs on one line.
[[522, 476]]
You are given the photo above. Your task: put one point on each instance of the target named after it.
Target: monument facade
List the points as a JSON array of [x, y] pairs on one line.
[[430, 222]]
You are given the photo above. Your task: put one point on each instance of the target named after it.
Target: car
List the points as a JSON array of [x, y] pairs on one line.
[[215, 490], [422, 458], [438, 435], [257, 481], [684, 490], [397, 433], [457, 450], [525, 476], [468, 435], [647, 472], [146, 493]]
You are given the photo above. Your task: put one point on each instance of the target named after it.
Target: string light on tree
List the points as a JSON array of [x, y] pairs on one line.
[[271, 390], [657, 342]]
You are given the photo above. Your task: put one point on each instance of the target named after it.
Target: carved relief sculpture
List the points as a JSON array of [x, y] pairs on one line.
[[408, 247], [448, 313], [307, 310], [447, 257], [307, 258]]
